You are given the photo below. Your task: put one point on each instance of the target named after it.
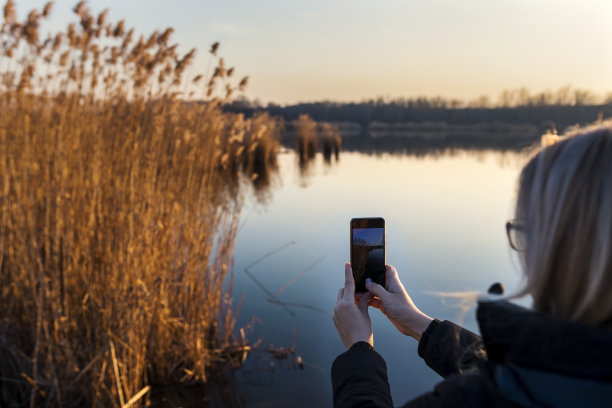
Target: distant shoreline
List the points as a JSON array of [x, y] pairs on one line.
[[364, 115], [423, 138]]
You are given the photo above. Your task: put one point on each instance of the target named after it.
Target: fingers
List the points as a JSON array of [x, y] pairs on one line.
[[375, 303], [392, 281], [375, 289], [363, 302], [340, 295], [349, 282]]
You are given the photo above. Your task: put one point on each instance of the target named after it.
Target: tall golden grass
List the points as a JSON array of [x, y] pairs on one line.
[[118, 211]]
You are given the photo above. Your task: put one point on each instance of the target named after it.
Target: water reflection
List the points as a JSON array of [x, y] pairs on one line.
[[445, 213], [331, 141], [430, 142], [509, 143], [223, 391], [306, 169], [273, 297]]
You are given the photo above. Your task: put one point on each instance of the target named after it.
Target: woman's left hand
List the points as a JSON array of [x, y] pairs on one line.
[[350, 317]]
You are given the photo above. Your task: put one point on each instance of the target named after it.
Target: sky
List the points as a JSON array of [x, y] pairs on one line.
[[351, 50], [371, 236]]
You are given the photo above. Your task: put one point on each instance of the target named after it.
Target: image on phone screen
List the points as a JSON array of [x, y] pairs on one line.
[[368, 251]]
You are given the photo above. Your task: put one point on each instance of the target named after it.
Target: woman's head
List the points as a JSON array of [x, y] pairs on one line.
[[565, 206]]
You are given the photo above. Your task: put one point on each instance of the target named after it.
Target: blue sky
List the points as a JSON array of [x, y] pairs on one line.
[[354, 49]]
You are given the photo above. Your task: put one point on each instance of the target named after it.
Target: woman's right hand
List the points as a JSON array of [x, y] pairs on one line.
[[395, 303]]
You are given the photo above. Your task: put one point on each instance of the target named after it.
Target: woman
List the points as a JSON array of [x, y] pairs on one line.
[[557, 355]]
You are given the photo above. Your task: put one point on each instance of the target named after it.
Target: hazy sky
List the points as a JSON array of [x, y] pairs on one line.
[[304, 50]]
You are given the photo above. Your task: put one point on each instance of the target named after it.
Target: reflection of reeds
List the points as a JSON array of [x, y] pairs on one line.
[[306, 136], [263, 140], [251, 148], [331, 141], [306, 132], [118, 214]]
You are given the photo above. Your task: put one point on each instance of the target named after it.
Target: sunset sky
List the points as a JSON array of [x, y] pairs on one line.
[[350, 50]]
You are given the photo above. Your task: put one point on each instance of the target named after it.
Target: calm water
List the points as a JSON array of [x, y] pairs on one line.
[[445, 217]]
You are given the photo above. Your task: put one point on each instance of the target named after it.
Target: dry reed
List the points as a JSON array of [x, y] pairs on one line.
[[306, 133], [118, 211], [331, 141]]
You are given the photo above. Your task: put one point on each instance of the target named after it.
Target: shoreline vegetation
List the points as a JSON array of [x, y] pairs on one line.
[[420, 126], [423, 139], [118, 213], [423, 126], [564, 107], [305, 135]]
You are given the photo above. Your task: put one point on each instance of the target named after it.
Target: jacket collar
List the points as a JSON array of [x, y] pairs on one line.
[[513, 334]]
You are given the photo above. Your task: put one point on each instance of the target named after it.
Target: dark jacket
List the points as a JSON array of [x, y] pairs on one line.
[[524, 359]]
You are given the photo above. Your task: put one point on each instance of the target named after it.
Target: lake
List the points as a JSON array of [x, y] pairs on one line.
[[445, 232]]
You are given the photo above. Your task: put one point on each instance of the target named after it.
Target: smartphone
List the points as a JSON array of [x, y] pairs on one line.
[[368, 251]]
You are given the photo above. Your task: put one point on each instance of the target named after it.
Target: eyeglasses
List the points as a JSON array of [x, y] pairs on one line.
[[516, 235]]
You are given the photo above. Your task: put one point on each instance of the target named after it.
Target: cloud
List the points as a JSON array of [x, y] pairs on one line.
[[227, 28]]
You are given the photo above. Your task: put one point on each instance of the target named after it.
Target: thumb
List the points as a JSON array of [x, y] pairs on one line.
[[363, 302], [375, 289]]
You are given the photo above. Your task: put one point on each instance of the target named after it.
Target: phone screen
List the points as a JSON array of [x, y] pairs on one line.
[[368, 251]]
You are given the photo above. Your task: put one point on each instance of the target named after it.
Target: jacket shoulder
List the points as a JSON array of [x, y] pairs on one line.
[[451, 349]]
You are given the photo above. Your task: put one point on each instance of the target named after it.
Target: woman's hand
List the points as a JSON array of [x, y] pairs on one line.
[[350, 317], [395, 303]]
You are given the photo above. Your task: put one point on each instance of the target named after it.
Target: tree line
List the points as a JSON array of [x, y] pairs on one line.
[[563, 107]]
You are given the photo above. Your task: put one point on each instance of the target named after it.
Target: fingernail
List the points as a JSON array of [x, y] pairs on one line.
[[368, 281]]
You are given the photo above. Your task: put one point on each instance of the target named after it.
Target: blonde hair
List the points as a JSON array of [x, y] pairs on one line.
[[565, 205]]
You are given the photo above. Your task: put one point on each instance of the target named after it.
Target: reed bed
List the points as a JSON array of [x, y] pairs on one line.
[[331, 141], [307, 139], [119, 200]]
